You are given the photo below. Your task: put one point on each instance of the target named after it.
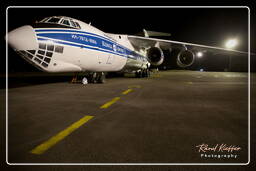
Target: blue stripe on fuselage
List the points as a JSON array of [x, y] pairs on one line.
[[76, 31], [87, 47], [81, 39], [62, 30], [75, 38]]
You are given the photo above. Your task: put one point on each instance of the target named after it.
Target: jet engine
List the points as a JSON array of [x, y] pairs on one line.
[[155, 56], [185, 58]]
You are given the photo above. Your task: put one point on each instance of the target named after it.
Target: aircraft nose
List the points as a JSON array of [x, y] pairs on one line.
[[22, 38]]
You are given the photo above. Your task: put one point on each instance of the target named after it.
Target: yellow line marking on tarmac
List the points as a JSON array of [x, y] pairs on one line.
[[106, 105], [127, 91], [60, 136], [40, 149], [190, 82]]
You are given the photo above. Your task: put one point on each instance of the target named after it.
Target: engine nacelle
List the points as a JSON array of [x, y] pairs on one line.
[[185, 58], [155, 56]]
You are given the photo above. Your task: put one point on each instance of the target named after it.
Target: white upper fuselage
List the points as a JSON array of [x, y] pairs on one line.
[[70, 45]]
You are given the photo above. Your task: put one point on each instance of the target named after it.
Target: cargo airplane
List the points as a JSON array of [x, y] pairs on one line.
[[64, 44]]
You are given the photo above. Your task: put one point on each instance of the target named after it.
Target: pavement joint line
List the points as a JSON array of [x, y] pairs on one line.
[[127, 91], [109, 103], [40, 149]]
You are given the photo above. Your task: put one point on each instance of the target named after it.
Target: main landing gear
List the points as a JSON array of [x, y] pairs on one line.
[[93, 77], [97, 77], [142, 73]]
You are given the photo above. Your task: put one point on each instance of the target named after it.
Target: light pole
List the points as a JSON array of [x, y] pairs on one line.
[[230, 44], [229, 63], [199, 55]]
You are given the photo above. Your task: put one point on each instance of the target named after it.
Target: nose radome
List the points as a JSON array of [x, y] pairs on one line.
[[22, 38]]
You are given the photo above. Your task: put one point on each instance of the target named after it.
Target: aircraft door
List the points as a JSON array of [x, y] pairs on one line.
[[111, 58]]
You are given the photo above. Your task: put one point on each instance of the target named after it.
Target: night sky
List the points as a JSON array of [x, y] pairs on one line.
[[208, 26]]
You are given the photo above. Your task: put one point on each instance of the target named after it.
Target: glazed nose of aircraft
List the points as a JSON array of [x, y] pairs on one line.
[[22, 38]]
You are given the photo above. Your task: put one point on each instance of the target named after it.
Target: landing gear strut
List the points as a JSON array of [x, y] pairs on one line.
[[75, 78]]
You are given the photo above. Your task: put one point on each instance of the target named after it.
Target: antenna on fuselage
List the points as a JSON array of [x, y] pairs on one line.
[[90, 23]]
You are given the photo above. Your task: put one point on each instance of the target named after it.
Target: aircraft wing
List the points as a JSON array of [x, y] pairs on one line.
[[145, 42]]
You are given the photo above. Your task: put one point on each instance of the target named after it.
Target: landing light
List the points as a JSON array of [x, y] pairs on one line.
[[231, 43], [199, 54]]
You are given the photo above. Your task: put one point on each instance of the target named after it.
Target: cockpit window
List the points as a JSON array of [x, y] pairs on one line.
[[53, 20], [61, 21], [66, 22], [72, 23], [44, 20], [77, 25]]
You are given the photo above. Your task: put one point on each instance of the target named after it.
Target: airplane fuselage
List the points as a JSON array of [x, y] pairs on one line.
[[57, 48]]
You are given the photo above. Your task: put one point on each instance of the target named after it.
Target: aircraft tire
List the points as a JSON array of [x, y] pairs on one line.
[[93, 78], [148, 72], [144, 74], [139, 74], [101, 78]]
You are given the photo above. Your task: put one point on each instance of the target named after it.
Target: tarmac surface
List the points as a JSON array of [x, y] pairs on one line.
[[158, 120]]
